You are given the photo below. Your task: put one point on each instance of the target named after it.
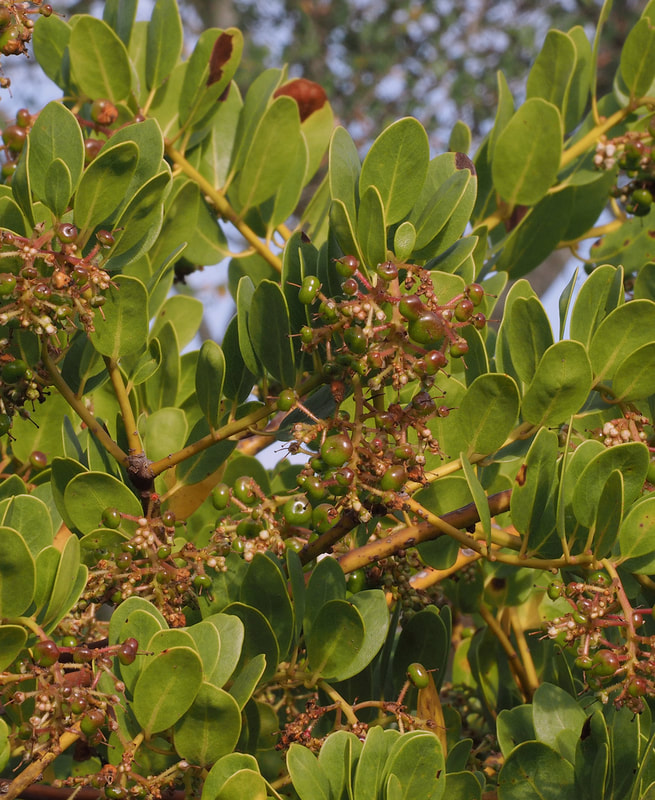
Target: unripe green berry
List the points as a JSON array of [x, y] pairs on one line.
[[418, 675]]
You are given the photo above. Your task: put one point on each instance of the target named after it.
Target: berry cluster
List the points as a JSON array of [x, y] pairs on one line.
[[169, 574], [633, 153], [616, 658], [58, 687], [16, 25]]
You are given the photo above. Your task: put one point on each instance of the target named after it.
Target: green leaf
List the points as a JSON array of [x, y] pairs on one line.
[[530, 334], [338, 757], [245, 783], [264, 169], [231, 633], [55, 135], [20, 184], [98, 60], [50, 39], [210, 375], [631, 459], [120, 14], [59, 187], [560, 386], [565, 302], [31, 517], [326, 582], [334, 640], [372, 605], [371, 767], [424, 638], [460, 137], [208, 72], [344, 171], [17, 574], [223, 769], [245, 683], [624, 330], [166, 688], [103, 186], [580, 85], [245, 292], [610, 513], [164, 43], [534, 771], [163, 385], [259, 638], [371, 228], [638, 58], [552, 71], [600, 294], [396, 165], [487, 413], [269, 312], [265, 589], [635, 537], [124, 329], [88, 494], [185, 315], [12, 641], [527, 153], [210, 728], [514, 725], [308, 777], [634, 378], [558, 719], [66, 579], [164, 432], [417, 760], [479, 496]]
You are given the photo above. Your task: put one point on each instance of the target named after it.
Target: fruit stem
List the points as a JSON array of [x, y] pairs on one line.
[[532, 680], [348, 713], [133, 439], [224, 208], [33, 771], [81, 410], [516, 667]]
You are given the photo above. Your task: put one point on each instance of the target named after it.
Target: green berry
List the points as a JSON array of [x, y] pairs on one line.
[[387, 271], [168, 519], [476, 293], [459, 348], [309, 289], [637, 687], [14, 137], [202, 582], [418, 675], [221, 496], [243, 490], [69, 641], [66, 232], [393, 479], [347, 266], [356, 581], [555, 590], [464, 309], [286, 400], [428, 329], [605, 663], [323, 517], [336, 450], [642, 197], [111, 518], [7, 284], [5, 424], [14, 370], [45, 653], [356, 340], [297, 510], [91, 721], [411, 307]]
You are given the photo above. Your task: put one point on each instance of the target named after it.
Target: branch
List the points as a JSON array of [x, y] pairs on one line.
[[224, 208], [81, 410], [33, 771], [133, 439]]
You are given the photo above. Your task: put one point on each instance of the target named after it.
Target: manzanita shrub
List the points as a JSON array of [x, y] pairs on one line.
[[449, 591]]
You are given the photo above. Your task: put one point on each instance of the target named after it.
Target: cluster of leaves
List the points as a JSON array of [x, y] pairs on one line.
[[183, 614]]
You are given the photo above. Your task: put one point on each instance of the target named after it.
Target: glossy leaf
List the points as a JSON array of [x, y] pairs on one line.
[[309, 778], [259, 637], [635, 537], [530, 333], [338, 758], [99, 61], [396, 165], [17, 574], [600, 294], [487, 413], [164, 43], [371, 766], [231, 634], [560, 385], [630, 458], [166, 688], [552, 71], [124, 329], [638, 58], [610, 513], [223, 769], [634, 378], [334, 640], [210, 375], [558, 719], [269, 312], [55, 135], [12, 641], [210, 728], [417, 761], [534, 771], [265, 589], [624, 330], [371, 227], [87, 495], [527, 153]]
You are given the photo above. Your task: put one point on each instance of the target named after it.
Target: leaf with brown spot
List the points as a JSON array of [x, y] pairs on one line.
[[308, 95], [221, 53]]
